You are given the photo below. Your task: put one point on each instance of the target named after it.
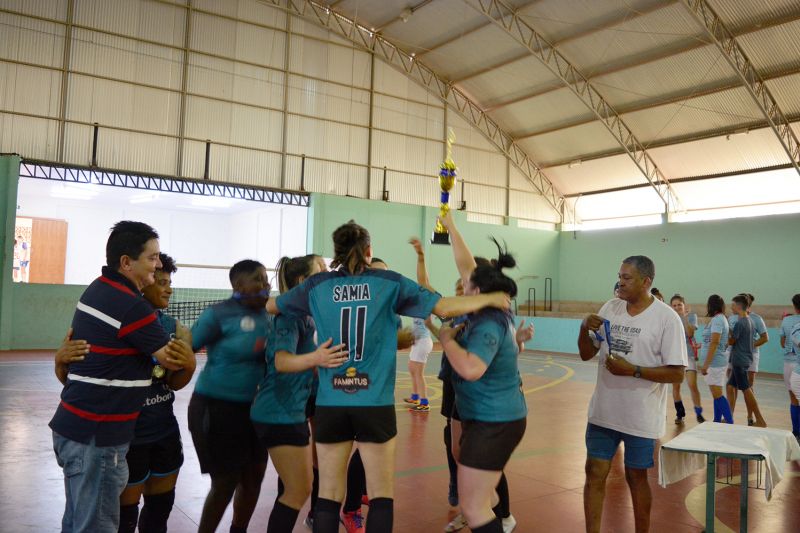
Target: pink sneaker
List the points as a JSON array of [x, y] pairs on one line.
[[353, 522]]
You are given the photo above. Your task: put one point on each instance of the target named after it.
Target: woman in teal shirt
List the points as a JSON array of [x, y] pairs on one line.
[[483, 353], [715, 357]]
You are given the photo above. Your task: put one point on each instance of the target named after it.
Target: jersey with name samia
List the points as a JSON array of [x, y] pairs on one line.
[[105, 392], [235, 336], [282, 396], [157, 418], [358, 310]]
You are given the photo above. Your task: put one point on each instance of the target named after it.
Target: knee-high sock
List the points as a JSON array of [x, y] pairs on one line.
[[451, 461], [356, 484], [794, 410], [680, 410], [326, 516], [502, 509], [717, 412], [380, 516], [155, 512], [282, 518], [128, 517], [314, 491], [725, 409]]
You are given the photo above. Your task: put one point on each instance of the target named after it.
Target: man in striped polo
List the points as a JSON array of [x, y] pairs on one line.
[[94, 423]]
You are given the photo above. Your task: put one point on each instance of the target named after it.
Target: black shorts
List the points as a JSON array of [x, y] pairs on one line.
[[157, 459], [272, 435], [223, 435], [738, 378], [311, 406], [448, 398], [362, 424], [489, 445]]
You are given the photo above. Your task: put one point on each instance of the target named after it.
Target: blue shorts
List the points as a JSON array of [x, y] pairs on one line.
[[602, 443]]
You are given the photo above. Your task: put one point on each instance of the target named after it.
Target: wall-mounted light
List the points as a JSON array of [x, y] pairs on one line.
[[575, 163], [737, 133], [406, 14]]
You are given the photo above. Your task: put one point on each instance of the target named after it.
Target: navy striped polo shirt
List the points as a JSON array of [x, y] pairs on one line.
[[105, 392]]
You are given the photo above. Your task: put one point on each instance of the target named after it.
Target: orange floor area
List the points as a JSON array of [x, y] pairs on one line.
[[545, 474]]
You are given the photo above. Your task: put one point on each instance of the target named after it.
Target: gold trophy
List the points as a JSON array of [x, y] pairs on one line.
[[447, 179]]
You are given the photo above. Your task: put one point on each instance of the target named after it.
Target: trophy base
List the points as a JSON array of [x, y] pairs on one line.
[[440, 238]]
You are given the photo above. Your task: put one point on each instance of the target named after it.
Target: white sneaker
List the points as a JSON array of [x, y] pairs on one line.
[[458, 523], [509, 523]]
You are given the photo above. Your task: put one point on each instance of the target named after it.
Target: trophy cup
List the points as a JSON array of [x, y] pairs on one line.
[[447, 178]]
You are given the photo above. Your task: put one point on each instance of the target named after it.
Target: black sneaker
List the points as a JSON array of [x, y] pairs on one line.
[[750, 422], [700, 419], [679, 420]]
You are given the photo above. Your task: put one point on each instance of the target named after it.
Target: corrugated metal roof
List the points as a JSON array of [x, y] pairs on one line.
[[251, 10], [557, 19], [785, 91], [597, 174], [695, 69], [573, 143], [436, 22], [547, 111], [159, 22], [743, 13], [725, 110], [637, 36], [518, 78], [31, 41], [486, 46], [717, 155], [773, 48]]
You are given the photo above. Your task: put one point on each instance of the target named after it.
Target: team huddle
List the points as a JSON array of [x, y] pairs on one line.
[[308, 380]]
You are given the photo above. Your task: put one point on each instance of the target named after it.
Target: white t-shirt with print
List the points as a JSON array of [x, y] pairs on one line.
[[652, 338]]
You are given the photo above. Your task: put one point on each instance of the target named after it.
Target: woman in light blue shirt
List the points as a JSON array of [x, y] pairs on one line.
[[715, 358]]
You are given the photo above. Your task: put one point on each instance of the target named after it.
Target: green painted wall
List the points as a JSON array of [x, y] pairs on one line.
[[756, 255], [391, 225], [9, 179]]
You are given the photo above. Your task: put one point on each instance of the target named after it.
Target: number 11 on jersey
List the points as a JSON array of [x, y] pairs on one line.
[[356, 348]]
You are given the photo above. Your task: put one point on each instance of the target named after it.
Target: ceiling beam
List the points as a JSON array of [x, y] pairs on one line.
[[572, 37], [672, 99], [660, 54], [416, 70], [540, 48], [752, 80]]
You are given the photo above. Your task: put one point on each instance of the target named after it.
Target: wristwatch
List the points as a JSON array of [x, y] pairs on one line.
[[637, 372]]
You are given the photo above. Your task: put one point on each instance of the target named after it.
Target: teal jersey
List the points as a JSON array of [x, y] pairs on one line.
[[759, 327], [234, 336], [719, 325], [691, 345], [282, 396], [787, 324], [497, 396], [358, 311]]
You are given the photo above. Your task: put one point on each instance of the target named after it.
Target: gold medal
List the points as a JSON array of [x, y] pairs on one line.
[[158, 371]]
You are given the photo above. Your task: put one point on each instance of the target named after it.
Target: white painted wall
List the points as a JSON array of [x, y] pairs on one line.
[[205, 235]]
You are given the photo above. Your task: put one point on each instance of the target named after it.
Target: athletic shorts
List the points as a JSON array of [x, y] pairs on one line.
[[448, 398], [716, 376], [692, 364], [602, 443], [795, 382], [788, 370], [754, 365], [738, 378], [157, 459], [421, 350], [489, 445], [334, 424], [311, 405], [272, 435], [223, 435]]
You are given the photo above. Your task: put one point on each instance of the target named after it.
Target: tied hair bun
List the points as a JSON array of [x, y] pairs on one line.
[[504, 259]]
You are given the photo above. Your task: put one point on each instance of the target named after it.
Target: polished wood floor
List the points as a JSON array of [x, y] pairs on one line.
[[545, 474]]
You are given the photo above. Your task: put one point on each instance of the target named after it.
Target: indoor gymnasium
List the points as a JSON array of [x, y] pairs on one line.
[[419, 266]]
